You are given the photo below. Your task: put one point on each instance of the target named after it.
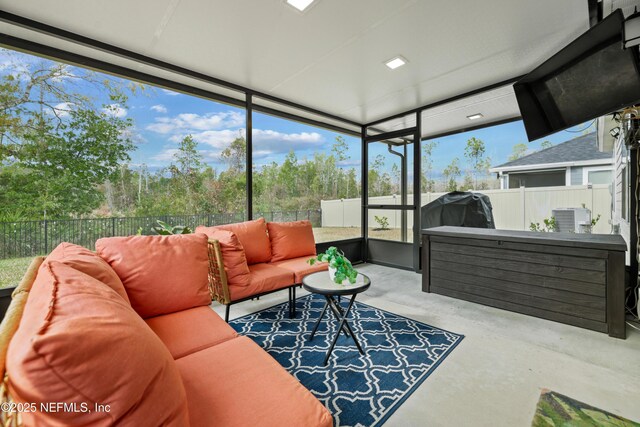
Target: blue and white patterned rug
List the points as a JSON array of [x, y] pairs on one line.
[[400, 354]]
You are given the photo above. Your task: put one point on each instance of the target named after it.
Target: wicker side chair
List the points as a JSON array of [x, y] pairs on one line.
[[218, 284]]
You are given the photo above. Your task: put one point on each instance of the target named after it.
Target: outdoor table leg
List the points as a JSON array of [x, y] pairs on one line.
[[315, 328], [338, 312], [343, 322]]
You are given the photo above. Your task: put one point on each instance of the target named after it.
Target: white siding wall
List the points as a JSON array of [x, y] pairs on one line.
[[617, 215]]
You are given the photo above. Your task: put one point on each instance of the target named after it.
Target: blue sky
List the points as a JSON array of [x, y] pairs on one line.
[[162, 118], [499, 142]]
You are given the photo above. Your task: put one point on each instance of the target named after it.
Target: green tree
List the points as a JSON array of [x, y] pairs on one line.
[[186, 172], [396, 173], [428, 183], [546, 144], [467, 182], [235, 155], [475, 154], [339, 149], [339, 153], [519, 150], [227, 193], [188, 157], [450, 174], [352, 184], [58, 146], [379, 181]]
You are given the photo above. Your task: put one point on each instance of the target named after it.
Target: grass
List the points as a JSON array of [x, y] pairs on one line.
[[12, 270]]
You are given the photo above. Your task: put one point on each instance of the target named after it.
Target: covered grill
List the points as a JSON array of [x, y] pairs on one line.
[[462, 209]]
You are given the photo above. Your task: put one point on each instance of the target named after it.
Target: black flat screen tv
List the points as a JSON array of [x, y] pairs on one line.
[[590, 77]]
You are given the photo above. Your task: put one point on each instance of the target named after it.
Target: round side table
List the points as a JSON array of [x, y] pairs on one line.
[[320, 283]]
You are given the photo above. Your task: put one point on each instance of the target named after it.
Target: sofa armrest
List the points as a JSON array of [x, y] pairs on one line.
[[8, 328], [218, 285]]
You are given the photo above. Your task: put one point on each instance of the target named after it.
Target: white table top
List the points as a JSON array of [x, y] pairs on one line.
[[321, 283]]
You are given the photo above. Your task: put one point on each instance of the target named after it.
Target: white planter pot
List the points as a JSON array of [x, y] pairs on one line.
[[332, 274]]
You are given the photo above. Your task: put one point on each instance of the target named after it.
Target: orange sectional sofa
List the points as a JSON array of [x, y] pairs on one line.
[[126, 336], [256, 258]]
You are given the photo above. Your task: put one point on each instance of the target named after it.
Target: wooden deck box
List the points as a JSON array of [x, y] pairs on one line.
[[576, 279]]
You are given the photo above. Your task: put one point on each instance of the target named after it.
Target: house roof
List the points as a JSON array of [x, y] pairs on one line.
[[581, 149]]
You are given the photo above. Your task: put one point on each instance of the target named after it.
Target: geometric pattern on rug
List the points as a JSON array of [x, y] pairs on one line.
[[400, 354], [557, 410]]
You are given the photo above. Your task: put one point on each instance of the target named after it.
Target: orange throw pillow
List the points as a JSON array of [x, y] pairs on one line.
[[291, 240], [82, 259], [81, 344], [233, 256], [254, 239], [162, 274]]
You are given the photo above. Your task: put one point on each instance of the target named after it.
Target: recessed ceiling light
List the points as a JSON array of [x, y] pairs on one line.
[[396, 62], [301, 5], [475, 116]]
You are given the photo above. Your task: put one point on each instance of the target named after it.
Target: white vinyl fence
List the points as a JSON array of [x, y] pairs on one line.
[[513, 209]]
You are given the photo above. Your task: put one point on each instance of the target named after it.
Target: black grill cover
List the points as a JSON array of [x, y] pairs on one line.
[[461, 209]]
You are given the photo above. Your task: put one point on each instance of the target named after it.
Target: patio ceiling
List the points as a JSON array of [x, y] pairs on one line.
[[332, 56]]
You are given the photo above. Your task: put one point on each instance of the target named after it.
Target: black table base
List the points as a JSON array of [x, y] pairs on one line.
[[341, 317]]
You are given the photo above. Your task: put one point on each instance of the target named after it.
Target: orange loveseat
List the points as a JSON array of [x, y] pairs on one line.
[[257, 258], [126, 336]]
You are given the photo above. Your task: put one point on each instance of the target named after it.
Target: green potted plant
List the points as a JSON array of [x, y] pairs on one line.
[[340, 268], [165, 229]]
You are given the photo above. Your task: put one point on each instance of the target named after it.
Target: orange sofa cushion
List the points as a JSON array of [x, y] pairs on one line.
[[291, 240], [233, 256], [254, 239], [300, 268], [237, 384], [190, 330], [263, 278], [79, 342], [162, 274], [82, 259]]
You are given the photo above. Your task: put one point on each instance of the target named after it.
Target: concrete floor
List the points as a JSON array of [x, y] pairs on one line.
[[494, 377]]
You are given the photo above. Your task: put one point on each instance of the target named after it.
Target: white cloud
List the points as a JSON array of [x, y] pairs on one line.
[[170, 92], [16, 64], [191, 123], [115, 110], [62, 109], [165, 155], [266, 142], [278, 142], [261, 154], [215, 138], [218, 130], [159, 108], [135, 135], [349, 163]]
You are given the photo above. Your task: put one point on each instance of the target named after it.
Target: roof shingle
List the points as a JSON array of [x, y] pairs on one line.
[[578, 149]]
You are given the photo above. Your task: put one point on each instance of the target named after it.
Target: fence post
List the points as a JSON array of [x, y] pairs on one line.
[[113, 226], [46, 236], [523, 207]]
